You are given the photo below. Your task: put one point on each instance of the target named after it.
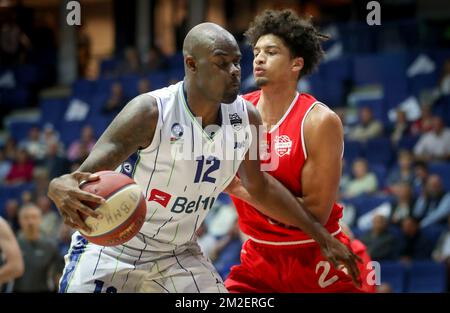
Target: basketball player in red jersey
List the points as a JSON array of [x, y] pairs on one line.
[[307, 138]]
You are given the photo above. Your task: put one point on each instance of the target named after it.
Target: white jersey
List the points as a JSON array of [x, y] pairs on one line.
[[185, 168]]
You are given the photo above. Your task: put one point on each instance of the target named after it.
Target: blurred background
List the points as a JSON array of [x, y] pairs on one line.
[[61, 85]]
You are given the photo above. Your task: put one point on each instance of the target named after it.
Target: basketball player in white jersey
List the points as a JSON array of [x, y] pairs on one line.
[[164, 256], [11, 261]]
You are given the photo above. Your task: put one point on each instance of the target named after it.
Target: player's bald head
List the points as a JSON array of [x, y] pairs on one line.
[[206, 37]]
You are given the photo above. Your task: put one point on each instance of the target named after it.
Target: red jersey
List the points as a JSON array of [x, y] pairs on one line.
[[287, 144]]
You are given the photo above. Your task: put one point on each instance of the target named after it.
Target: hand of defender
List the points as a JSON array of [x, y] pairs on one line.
[[66, 194], [337, 253]]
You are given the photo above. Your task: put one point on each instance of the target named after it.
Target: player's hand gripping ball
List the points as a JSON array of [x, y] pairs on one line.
[[122, 214]]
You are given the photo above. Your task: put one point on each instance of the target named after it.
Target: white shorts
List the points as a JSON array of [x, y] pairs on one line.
[[91, 268]]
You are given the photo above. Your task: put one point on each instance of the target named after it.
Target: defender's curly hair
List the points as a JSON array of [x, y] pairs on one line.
[[298, 33]]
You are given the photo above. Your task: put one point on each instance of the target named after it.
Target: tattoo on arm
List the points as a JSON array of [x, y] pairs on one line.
[[132, 129]]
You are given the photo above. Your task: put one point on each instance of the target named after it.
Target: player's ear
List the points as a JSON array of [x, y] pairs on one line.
[[297, 64], [191, 64]]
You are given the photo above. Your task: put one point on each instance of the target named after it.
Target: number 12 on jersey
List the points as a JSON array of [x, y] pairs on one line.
[[214, 165]]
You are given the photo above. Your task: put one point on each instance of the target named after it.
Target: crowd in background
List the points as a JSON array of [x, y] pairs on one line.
[[409, 221]]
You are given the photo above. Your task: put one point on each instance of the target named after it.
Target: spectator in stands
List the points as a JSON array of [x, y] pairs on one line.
[[433, 206], [12, 214], [13, 41], [50, 219], [11, 261], [404, 171], [43, 264], [444, 82], [21, 170], [49, 135], [441, 252], [55, 162], [143, 86], [368, 128], [414, 245], [116, 100], [425, 122], [420, 176], [34, 146], [26, 197], [363, 181], [10, 149], [80, 148], [403, 204], [154, 60], [5, 165], [381, 243], [435, 144], [401, 128], [131, 63]]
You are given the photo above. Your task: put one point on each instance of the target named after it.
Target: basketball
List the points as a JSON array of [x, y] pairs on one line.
[[122, 214]]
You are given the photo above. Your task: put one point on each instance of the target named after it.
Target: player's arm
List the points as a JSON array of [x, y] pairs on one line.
[[322, 170], [324, 137], [132, 129], [13, 267], [280, 204]]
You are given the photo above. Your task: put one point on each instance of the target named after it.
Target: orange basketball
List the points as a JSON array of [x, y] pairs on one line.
[[123, 212]]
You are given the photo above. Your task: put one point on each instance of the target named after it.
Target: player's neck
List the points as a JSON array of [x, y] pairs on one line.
[[274, 102], [200, 107]]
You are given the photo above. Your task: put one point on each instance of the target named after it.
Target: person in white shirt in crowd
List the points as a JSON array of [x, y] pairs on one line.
[[435, 144], [433, 206], [368, 127]]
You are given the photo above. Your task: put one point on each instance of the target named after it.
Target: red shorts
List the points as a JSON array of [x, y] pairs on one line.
[[269, 268]]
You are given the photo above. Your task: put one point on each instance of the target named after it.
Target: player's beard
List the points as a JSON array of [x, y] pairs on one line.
[[261, 81]]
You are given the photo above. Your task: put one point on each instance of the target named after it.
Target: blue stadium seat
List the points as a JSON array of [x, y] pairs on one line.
[[130, 85], [70, 132], [176, 60], [52, 111], [19, 129], [442, 108], [108, 66], [375, 68], [393, 273], [26, 75], [83, 87], [427, 276], [13, 192], [366, 203], [407, 142], [378, 150], [433, 232], [380, 172], [443, 170], [158, 79], [352, 150]]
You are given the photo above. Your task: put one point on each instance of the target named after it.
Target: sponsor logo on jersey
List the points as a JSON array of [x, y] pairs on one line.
[[160, 197], [235, 121], [177, 132], [283, 145], [182, 204]]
